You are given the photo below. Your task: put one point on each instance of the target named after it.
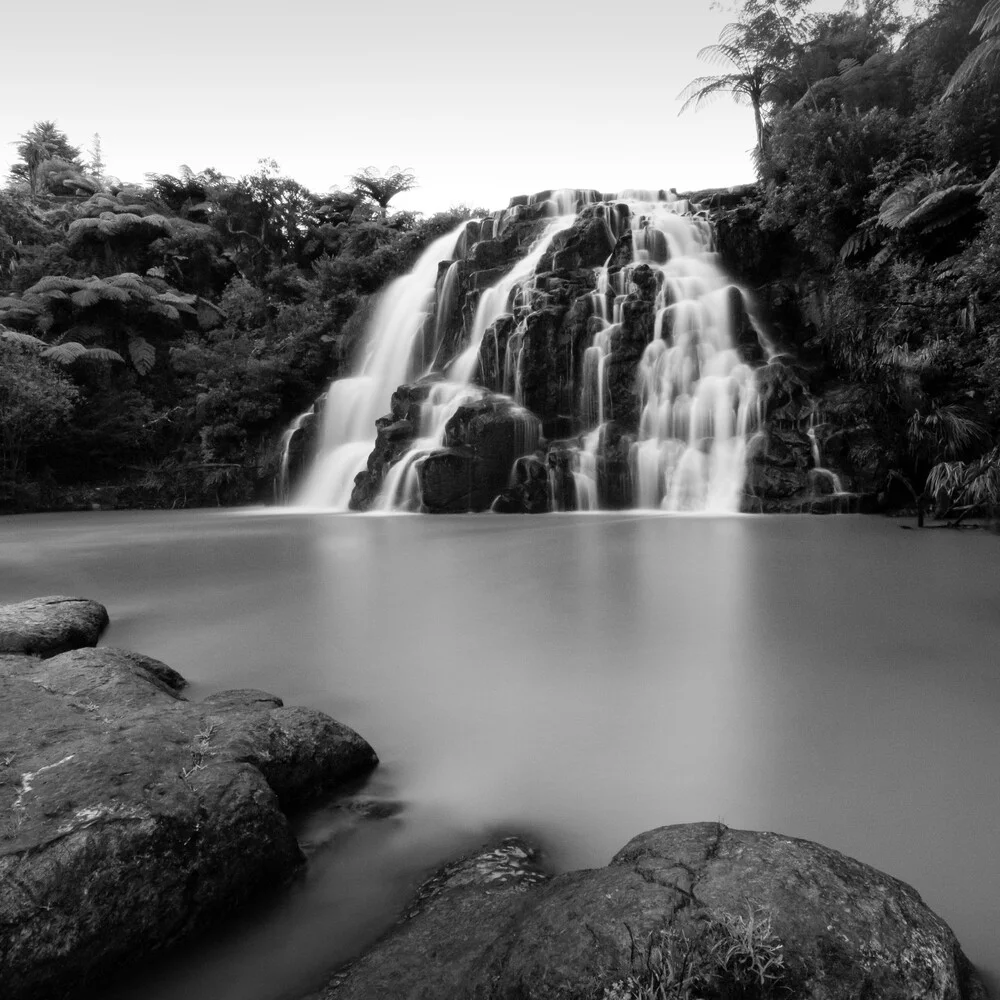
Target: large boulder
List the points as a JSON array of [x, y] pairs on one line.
[[695, 910], [482, 441], [133, 817], [45, 626]]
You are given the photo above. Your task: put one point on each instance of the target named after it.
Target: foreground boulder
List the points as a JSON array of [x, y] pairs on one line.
[[45, 626], [132, 816], [686, 911]]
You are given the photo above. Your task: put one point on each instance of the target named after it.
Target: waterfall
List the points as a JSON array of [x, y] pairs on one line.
[[285, 445], [354, 404], [695, 400], [699, 399], [503, 297]]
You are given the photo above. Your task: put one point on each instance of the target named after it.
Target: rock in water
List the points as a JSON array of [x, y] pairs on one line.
[[131, 816], [725, 901], [45, 626]]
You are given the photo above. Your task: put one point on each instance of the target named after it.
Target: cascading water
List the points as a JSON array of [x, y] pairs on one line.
[[696, 397], [354, 404]]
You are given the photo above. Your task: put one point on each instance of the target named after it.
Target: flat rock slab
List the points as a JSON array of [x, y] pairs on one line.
[[689, 897], [46, 626], [130, 816]]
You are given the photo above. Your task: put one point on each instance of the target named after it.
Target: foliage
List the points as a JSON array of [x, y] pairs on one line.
[[188, 318], [382, 188], [984, 60], [732, 955], [35, 400], [43, 142]]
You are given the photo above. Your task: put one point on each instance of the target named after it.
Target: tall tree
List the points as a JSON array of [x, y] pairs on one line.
[[96, 162], [43, 141], [382, 188], [752, 75]]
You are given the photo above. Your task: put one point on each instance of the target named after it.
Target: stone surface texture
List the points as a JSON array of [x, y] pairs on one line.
[[847, 931], [129, 816], [45, 626]]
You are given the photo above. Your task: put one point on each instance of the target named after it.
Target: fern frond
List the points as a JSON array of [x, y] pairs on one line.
[[53, 283], [988, 21], [982, 60], [938, 204], [165, 310], [86, 297], [894, 209], [128, 280], [65, 354], [102, 354], [185, 303], [142, 353], [25, 339], [111, 293]]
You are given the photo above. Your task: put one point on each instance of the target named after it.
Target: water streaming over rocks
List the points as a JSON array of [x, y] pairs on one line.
[[575, 351]]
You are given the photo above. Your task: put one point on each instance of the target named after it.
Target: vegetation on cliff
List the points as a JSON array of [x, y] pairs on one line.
[[880, 200], [155, 337]]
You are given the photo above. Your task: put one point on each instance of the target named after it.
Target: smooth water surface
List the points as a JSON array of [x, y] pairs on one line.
[[580, 678]]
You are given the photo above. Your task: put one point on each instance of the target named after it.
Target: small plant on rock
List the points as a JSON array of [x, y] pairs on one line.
[[731, 957]]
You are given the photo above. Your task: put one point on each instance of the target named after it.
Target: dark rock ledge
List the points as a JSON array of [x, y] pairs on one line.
[[129, 816], [696, 910]]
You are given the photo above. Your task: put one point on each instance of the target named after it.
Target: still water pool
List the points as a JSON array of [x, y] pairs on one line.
[[579, 678]]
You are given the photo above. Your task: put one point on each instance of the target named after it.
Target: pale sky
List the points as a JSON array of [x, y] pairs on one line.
[[482, 102]]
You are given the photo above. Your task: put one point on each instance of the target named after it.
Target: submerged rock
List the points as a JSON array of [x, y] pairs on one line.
[[133, 816], [45, 626], [720, 900]]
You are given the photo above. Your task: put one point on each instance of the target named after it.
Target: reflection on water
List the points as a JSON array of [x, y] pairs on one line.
[[581, 678]]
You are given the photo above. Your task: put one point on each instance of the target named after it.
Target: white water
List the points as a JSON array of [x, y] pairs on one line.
[[286, 452], [354, 404], [698, 398]]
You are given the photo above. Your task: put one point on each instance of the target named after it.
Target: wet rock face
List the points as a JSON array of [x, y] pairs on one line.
[[45, 626], [482, 441], [131, 817], [835, 928]]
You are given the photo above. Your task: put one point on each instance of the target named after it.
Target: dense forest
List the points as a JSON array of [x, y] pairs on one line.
[[156, 338]]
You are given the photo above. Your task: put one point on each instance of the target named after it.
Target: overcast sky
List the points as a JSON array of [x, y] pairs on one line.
[[481, 101]]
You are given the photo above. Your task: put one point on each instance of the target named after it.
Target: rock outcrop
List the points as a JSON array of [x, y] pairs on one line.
[[131, 816], [45, 626], [743, 914]]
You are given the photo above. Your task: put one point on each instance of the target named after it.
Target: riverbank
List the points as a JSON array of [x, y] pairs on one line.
[[134, 817], [829, 678]]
